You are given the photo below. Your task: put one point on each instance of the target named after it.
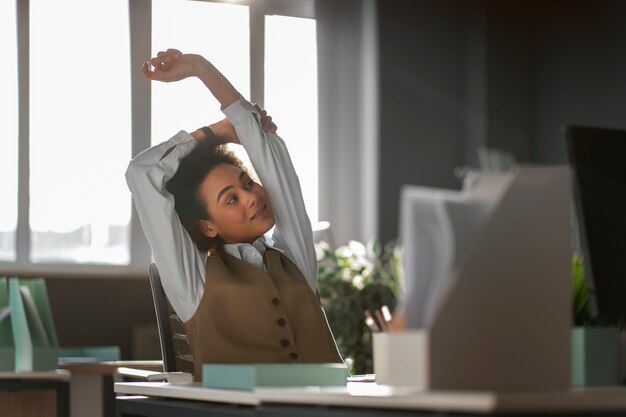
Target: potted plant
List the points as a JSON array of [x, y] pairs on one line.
[[595, 340], [352, 279]]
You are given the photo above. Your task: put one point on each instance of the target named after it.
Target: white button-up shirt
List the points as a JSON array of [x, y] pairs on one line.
[[181, 265]]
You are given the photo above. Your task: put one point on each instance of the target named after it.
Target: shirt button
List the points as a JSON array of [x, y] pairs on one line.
[[276, 301], [293, 356], [284, 342], [281, 322]]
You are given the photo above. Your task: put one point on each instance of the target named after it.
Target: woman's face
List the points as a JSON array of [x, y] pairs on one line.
[[239, 208]]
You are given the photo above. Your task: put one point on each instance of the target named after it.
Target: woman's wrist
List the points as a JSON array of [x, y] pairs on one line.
[[219, 133], [204, 133], [202, 67], [208, 133], [225, 132]]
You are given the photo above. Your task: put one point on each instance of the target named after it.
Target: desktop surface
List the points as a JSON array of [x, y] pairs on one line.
[[370, 396]]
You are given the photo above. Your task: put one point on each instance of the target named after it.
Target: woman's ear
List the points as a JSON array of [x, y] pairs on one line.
[[208, 228]]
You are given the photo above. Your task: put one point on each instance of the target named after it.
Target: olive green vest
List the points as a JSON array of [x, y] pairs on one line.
[[247, 315]]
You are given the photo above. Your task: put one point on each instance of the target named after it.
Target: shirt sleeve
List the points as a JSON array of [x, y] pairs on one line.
[[271, 161], [181, 264]]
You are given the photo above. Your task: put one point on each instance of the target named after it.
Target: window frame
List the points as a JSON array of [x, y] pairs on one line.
[[140, 15]]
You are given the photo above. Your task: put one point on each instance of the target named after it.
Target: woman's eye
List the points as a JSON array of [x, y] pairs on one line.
[[231, 200], [249, 184]]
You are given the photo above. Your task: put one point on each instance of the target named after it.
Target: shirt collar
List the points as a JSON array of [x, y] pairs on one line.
[[251, 253]]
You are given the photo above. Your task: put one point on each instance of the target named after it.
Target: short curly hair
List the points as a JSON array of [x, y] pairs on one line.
[[185, 187]]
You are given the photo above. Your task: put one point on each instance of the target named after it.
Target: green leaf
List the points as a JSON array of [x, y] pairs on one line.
[[351, 282], [579, 291]]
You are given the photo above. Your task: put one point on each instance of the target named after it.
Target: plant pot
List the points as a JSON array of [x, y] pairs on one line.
[[595, 356]]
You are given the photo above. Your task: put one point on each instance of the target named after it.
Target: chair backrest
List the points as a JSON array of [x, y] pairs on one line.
[[175, 348], [323, 232]]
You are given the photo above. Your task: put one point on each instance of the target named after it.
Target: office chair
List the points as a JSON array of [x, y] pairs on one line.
[[323, 233], [175, 349]]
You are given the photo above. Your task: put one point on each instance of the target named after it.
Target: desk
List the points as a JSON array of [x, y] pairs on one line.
[[35, 393], [91, 385], [358, 399]]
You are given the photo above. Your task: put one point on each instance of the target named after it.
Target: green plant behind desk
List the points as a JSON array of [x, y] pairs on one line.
[[580, 296], [595, 339], [352, 279], [582, 315]]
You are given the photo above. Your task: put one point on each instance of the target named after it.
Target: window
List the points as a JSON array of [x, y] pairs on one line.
[[66, 206], [80, 132], [9, 123], [291, 66], [219, 32]]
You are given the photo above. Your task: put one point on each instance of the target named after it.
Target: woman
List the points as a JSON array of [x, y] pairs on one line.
[[242, 298]]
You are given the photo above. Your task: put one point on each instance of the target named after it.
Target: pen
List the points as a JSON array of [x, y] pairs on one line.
[[382, 322], [387, 315], [370, 322]]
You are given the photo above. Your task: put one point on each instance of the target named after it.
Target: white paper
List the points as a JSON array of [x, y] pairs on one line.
[[438, 230]]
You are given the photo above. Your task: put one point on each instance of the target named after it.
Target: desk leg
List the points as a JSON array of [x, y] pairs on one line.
[[63, 399], [86, 395]]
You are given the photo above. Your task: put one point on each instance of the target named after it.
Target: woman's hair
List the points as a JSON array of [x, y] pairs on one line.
[[185, 187]]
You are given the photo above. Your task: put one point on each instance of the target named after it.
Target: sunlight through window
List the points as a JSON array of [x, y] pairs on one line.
[[79, 134], [220, 33], [9, 123], [291, 96], [80, 131]]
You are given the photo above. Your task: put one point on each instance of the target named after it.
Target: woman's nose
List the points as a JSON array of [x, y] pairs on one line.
[[250, 198]]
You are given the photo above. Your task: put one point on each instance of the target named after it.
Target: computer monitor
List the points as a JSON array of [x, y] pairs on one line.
[[597, 159]]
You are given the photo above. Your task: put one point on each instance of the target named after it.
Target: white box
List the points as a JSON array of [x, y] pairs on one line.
[[391, 350], [502, 321]]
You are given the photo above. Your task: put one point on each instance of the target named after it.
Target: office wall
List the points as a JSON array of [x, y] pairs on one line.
[[100, 311], [348, 117], [578, 71], [421, 82], [455, 75]]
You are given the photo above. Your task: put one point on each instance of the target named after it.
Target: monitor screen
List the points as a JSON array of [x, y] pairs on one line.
[[597, 158]]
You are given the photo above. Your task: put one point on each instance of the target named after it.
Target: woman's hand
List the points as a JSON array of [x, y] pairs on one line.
[[171, 65], [266, 120]]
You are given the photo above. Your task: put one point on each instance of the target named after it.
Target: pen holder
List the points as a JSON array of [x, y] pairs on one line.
[[595, 356], [400, 358]]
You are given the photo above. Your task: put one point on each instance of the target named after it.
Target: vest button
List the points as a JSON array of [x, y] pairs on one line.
[[284, 342], [276, 301], [293, 356], [281, 322]]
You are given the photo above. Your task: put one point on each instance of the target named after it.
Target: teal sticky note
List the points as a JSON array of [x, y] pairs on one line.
[[250, 376]]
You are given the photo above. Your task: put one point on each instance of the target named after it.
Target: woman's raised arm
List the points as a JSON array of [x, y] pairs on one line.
[[173, 65]]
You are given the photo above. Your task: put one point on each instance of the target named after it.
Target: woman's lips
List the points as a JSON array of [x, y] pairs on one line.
[[262, 213]]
